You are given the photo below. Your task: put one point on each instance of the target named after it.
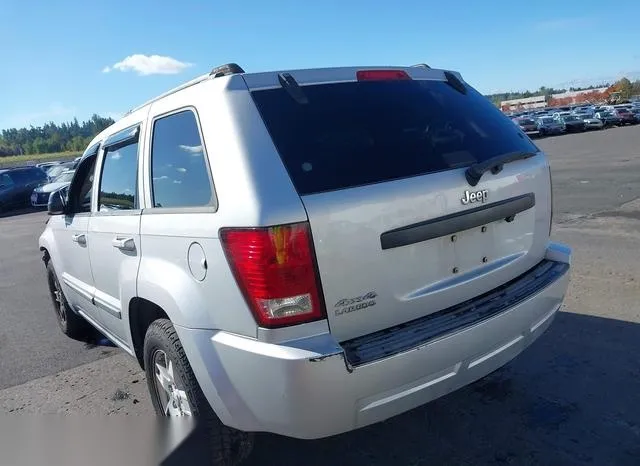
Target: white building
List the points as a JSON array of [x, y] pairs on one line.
[[539, 101]]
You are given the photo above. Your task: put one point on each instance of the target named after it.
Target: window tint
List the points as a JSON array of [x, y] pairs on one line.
[[357, 133], [180, 177], [5, 180], [118, 179], [29, 175]]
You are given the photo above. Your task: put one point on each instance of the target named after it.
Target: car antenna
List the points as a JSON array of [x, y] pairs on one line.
[[290, 85]]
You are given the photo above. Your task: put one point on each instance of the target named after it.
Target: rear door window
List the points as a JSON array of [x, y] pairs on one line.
[[180, 176], [358, 133]]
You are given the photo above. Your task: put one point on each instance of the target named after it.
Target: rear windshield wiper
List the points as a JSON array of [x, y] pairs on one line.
[[495, 164]]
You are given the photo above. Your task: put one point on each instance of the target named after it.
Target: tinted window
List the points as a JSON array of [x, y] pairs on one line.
[[118, 179], [28, 176], [5, 180], [351, 134], [178, 167]]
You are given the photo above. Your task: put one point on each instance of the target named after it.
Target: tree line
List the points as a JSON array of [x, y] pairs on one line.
[[51, 137]]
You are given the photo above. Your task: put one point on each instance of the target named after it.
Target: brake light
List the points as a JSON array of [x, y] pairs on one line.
[[275, 268], [381, 75]]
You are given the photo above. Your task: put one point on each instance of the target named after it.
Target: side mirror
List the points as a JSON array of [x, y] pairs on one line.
[[57, 202]]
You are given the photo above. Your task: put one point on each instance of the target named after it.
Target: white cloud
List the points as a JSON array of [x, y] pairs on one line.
[[194, 150], [177, 182], [116, 156], [182, 170], [163, 177], [146, 65]]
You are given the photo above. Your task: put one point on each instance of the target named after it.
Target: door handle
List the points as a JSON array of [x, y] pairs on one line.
[[79, 238], [124, 244]]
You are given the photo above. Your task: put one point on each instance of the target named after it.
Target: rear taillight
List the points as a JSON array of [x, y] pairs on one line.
[[381, 75], [275, 268]]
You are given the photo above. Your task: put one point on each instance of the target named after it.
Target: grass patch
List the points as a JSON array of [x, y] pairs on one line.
[[14, 160]]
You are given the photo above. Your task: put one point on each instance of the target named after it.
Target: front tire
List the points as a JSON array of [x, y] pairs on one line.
[[71, 324], [175, 391]]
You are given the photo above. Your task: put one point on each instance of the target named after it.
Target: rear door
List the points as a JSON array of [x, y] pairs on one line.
[[380, 165]]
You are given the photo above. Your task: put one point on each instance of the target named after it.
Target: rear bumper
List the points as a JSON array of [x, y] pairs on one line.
[[305, 388]]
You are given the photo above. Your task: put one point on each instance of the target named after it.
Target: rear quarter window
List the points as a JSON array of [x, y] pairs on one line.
[[358, 133]]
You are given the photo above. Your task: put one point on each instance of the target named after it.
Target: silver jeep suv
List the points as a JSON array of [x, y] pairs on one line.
[[311, 251]]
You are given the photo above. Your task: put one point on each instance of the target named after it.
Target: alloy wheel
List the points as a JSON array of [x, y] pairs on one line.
[[173, 399]]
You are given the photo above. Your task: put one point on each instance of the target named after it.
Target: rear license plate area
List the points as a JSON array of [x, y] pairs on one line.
[[473, 248]]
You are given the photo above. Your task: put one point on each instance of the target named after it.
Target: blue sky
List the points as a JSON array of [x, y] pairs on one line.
[[55, 54]]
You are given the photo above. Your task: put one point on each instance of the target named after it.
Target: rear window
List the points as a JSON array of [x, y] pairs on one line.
[[358, 133]]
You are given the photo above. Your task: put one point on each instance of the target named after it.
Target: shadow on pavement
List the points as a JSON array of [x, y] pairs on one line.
[[572, 398]]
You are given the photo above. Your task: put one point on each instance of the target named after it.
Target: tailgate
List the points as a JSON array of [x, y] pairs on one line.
[[379, 165]]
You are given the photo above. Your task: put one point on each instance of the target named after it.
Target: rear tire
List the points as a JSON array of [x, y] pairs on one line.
[[71, 324], [175, 391]]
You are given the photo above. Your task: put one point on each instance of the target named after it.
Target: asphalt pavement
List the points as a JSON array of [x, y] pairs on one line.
[[31, 345], [571, 398]]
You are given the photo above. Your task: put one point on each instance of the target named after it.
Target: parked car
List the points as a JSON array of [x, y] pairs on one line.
[[626, 116], [40, 195], [549, 126], [46, 165], [592, 123], [608, 119], [572, 123], [292, 285], [583, 113], [56, 170], [16, 185], [529, 126], [561, 114]]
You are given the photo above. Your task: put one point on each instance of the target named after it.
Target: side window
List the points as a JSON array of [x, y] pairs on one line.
[[5, 180], [180, 177], [118, 180]]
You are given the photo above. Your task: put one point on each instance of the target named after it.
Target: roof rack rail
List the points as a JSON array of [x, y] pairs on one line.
[[223, 70], [421, 65], [226, 70]]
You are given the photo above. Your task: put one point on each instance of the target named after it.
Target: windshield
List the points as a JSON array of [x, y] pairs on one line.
[[526, 121], [547, 121], [357, 133], [570, 118], [63, 178]]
